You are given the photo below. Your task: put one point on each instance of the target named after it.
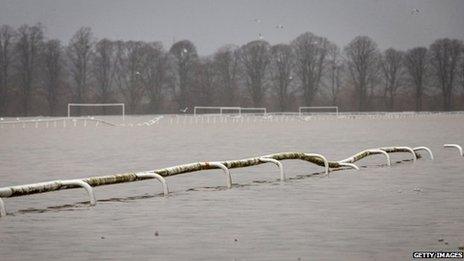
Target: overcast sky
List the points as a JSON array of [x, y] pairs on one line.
[[210, 24]]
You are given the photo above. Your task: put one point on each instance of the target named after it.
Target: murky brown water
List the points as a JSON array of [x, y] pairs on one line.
[[377, 213]]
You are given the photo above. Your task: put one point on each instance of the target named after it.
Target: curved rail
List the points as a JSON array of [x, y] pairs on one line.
[[401, 149], [326, 162], [225, 169], [351, 165], [159, 174], [79, 183], [276, 162], [2, 208], [375, 151], [426, 149], [145, 175], [455, 146]]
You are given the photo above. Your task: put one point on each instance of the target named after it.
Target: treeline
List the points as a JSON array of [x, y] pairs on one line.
[[39, 76]]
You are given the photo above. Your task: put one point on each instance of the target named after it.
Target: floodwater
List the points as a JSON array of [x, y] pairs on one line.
[[376, 213]]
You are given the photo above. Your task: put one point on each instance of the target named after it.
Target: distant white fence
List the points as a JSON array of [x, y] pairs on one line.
[[70, 105], [244, 117], [53, 122]]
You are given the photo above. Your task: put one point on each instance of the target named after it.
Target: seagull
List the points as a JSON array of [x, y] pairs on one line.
[[279, 26], [137, 73], [257, 20], [184, 110], [260, 36], [415, 11]]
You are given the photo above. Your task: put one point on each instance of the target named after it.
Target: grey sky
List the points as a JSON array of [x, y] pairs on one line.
[[210, 24]]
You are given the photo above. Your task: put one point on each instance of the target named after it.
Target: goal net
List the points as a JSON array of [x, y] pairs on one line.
[[96, 109], [318, 110]]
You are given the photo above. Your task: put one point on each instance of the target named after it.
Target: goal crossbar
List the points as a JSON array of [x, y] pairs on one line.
[[96, 105], [221, 109], [335, 108], [263, 110]]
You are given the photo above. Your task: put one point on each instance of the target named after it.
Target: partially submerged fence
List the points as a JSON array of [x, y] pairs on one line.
[[225, 166], [220, 118], [55, 122]]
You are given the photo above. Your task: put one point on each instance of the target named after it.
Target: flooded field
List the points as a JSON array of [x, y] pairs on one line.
[[376, 213]]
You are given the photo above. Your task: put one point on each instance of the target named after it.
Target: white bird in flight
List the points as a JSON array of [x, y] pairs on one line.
[[279, 26], [257, 20], [415, 11], [184, 110]]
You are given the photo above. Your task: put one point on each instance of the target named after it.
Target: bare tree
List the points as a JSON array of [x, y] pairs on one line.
[[30, 40], [52, 57], [79, 52], [226, 64], [129, 67], [255, 58], [7, 35], [282, 65], [335, 72], [155, 74], [416, 64], [362, 60], [311, 52], [461, 77], [445, 58], [185, 57], [205, 82], [103, 69], [392, 68]]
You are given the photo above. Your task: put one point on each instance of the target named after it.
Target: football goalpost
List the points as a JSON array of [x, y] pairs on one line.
[[254, 111], [71, 105], [318, 110], [211, 110]]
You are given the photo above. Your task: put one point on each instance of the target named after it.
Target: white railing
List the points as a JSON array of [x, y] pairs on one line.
[[54, 122], [160, 174], [241, 117], [461, 153], [70, 105]]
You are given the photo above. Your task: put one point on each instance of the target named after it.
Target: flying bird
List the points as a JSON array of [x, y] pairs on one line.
[[184, 110], [260, 36], [279, 26], [257, 20], [415, 11]]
